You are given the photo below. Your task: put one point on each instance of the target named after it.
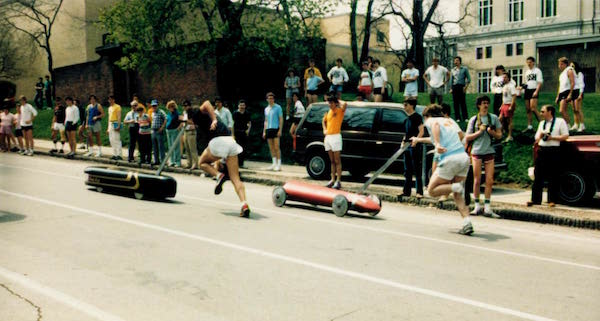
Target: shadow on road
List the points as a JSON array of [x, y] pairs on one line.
[[253, 215], [489, 237], [6, 217], [130, 195], [327, 210]]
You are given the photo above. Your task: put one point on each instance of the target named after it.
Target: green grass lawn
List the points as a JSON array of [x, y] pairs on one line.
[[517, 156]]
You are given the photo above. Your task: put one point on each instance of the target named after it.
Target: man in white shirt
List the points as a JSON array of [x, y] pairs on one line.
[[436, 77], [496, 87], [551, 131], [224, 114], [71, 120], [379, 80], [509, 103], [409, 77], [337, 76], [28, 114], [533, 84]]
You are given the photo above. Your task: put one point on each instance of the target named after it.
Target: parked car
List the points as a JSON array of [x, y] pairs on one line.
[[579, 178], [371, 133]]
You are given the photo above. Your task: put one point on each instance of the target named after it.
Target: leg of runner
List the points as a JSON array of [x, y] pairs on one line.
[[476, 186], [240, 189]]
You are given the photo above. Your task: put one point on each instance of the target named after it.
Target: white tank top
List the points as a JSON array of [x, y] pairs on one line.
[[563, 80], [579, 83]]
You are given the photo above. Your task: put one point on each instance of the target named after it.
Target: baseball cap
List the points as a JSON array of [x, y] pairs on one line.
[[133, 103], [154, 102]]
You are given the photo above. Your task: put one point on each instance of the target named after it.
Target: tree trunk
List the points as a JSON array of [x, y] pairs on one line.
[[364, 52], [353, 39]]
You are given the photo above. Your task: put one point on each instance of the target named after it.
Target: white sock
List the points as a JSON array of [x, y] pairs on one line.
[[466, 220], [477, 207], [274, 161]]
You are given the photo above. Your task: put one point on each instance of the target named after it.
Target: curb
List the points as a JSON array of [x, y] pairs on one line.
[[511, 212]]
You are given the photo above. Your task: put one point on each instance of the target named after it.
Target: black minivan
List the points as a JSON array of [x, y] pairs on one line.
[[371, 133]]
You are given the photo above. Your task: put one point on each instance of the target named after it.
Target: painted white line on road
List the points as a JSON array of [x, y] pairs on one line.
[[58, 296], [289, 259], [42, 172], [397, 233]]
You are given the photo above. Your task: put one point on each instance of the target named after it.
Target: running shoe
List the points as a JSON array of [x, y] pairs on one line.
[[14, 149], [467, 229], [574, 127], [277, 168], [98, 154], [245, 211], [83, 147], [337, 185], [61, 151], [221, 178], [528, 129], [491, 214], [581, 128], [88, 154], [330, 184], [508, 139], [30, 153], [476, 212], [53, 150]]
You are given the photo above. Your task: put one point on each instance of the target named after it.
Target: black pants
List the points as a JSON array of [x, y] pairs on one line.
[[548, 160], [145, 148], [460, 102], [242, 139], [413, 164], [48, 94], [38, 99], [497, 104], [133, 138]]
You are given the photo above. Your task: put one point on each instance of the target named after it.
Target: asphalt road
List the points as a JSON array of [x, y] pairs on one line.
[[70, 253]]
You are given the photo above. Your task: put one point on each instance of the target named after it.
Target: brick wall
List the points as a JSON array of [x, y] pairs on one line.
[[81, 80]]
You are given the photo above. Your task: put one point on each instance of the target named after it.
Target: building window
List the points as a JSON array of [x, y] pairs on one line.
[[479, 53], [517, 75], [484, 78], [509, 49], [548, 8], [485, 12], [488, 52], [380, 36], [519, 48], [515, 10]]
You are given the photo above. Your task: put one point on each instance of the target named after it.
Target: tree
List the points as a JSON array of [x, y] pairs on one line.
[[9, 53], [34, 18], [373, 14]]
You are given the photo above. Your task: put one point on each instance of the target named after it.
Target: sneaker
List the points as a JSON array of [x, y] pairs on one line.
[[491, 214], [528, 129], [337, 185], [220, 180], [71, 155], [82, 147], [530, 204], [14, 149], [270, 168], [476, 212], [508, 139], [98, 154], [88, 154], [574, 127], [467, 229], [443, 198], [245, 211], [277, 168], [53, 150], [30, 153], [581, 128], [22, 152], [61, 151], [419, 196], [330, 184]]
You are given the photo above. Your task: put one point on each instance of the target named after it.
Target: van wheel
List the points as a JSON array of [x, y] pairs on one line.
[[318, 165], [574, 187]]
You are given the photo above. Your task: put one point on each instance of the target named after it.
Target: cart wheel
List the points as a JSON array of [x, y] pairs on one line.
[[138, 195], [339, 205], [376, 199], [279, 196], [99, 189]]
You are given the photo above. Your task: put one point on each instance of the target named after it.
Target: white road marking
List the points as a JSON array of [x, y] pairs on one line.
[[289, 259], [397, 233], [42, 172], [380, 230], [58, 296]]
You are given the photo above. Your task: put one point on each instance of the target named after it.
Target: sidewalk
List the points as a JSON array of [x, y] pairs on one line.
[[508, 202]]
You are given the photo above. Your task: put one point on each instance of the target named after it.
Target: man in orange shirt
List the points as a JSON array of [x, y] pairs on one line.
[[332, 128]]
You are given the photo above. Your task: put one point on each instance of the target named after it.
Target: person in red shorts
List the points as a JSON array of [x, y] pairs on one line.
[[509, 103]]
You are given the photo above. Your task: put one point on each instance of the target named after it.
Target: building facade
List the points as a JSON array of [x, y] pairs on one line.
[[506, 32]]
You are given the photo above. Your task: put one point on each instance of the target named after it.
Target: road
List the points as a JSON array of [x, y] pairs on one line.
[[71, 253]]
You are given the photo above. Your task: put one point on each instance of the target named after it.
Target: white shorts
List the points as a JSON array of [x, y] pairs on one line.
[[456, 165], [333, 142], [411, 93], [59, 127], [224, 146]]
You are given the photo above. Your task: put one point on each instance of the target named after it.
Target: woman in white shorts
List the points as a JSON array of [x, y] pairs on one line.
[[221, 147]]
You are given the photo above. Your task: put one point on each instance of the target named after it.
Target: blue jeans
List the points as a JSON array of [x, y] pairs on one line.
[[172, 139], [158, 146]]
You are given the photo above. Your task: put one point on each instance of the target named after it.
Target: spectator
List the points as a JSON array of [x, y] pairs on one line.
[[533, 85], [28, 114], [337, 76], [436, 77], [332, 129], [131, 120], [292, 85], [409, 77], [95, 112], [137, 99], [159, 121], [316, 72], [578, 98], [272, 130], [173, 126], [312, 86], [298, 114], [39, 94], [81, 133], [551, 131], [19, 130], [454, 162], [48, 92], [190, 135], [496, 87], [224, 114], [241, 126], [509, 103], [71, 120], [482, 129], [379, 80], [58, 126], [413, 156], [566, 86], [144, 135], [460, 80], [365, 85], [114, 127], [7, 121]]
